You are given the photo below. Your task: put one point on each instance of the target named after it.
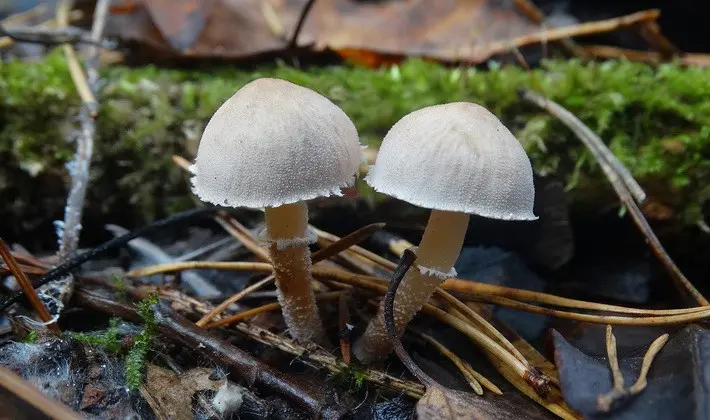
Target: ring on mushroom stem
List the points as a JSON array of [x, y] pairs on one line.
[[274, 145], [456, 159]]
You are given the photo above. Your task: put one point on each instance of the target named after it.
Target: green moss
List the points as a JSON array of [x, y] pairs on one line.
[[135, 360], [31, 337], [108, 340], [352, 377], [657, 120], [120, 284]]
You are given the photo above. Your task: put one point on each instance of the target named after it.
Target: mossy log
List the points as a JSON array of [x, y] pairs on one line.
[[656, 120]]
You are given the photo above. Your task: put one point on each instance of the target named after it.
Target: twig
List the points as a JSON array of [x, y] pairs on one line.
[[20, 397], [48, 36], [556, 34], [684, 318], [466, 370], [243, 365], [623, 190], [489, 329], [67, 266], [652, 57], [542, 384], [22, 17], [616, 172], [385, 264], [301, 21], [52, 23], [473, 291], [346, 242], [264, 308], [317, 355], [242, 234], [27, 288], [233, 299], [345, 327], [651, 32], [618, 394], [534, 14], [69, 229]]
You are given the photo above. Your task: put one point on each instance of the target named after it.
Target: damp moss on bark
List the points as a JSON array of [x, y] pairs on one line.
[[655, 119]]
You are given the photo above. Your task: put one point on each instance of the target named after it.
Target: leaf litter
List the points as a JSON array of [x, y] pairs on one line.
[[439, 401]]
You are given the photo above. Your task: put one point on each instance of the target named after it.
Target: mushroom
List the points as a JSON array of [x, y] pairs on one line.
[[455, 159], [274, 145]]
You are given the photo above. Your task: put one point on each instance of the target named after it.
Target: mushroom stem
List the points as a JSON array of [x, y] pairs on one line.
[[287, 230], [438, 250]]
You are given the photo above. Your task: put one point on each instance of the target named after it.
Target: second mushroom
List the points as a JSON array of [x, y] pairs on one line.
[[455, 159], [274, 145]]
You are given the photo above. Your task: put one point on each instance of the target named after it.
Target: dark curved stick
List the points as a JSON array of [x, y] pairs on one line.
[[72, 263]]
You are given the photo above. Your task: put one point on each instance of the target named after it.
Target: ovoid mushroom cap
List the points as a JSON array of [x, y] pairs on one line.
[[274, 143], [456, 157]]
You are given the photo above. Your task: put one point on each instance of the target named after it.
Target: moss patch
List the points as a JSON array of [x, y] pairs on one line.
[[657, 120]]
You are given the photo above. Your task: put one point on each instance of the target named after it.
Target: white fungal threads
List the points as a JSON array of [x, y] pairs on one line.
[[435, 272]]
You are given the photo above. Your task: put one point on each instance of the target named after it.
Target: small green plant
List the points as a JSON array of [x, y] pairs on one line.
[[120, 287], [135, 360], [353, 376], [31, 337], [108, 340]]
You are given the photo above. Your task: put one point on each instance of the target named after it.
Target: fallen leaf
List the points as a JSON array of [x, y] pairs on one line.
[[173, 393], [371, 32], [440, 404]]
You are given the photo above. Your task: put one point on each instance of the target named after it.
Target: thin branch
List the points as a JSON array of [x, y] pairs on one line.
[[534, 14], [473, 290], [623, 190], [465, 369], [348, 241], [49, 36], [301, 21], [618, 394], [477, 291], [317, 355], [242, 364], [26, 401], [651, 57], [69, 229], [357, 252], [27, 288], [67, 266], [615, 170], [471, 315], [556, 34], [22, 17], [233, 299], [684, 318], [264, 308]]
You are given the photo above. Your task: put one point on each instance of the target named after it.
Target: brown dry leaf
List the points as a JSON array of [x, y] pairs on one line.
[[443, 404], [444, 30], [173, 393], [439, 403]]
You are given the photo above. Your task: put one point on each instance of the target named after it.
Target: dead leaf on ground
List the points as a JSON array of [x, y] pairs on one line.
[[446, 30], [439, 403], [173, 393]]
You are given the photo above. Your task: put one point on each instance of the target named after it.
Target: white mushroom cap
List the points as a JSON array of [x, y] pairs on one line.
[[273, 143], [456, 157]]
